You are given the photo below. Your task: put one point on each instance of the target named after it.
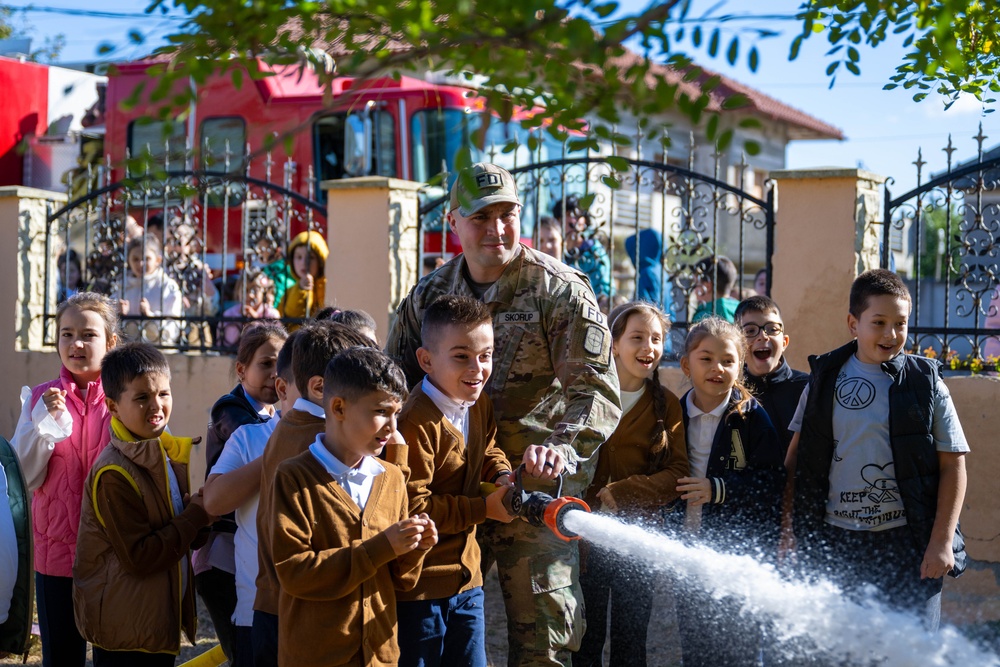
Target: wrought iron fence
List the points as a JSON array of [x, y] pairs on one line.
[[200, 241], [658, 225], [944, 235]]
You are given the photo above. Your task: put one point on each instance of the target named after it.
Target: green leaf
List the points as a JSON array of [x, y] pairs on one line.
[[696, 36], [832, 67], [617, 163], [734, 51], [713, 43], [735, 101], [751, 147], [754, 59], [611, 182]]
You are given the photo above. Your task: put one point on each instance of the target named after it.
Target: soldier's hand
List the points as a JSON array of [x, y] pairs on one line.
[[543, 462]]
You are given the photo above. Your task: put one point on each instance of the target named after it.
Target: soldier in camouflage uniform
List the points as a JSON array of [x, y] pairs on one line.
[[554, 391]]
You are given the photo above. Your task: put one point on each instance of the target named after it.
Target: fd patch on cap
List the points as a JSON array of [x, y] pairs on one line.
[[480, 185]]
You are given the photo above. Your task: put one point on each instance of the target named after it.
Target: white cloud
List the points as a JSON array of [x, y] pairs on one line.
[[967, 105]]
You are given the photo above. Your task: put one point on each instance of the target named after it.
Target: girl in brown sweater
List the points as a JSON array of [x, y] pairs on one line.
[[637, 472]]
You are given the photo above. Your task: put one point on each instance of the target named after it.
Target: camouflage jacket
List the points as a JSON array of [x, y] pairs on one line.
[[553, 381]]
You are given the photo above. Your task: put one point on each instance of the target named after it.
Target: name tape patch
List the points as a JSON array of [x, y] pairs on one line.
[[519, 318]]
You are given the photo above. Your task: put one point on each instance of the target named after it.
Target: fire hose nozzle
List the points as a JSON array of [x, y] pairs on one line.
[[555, 515]]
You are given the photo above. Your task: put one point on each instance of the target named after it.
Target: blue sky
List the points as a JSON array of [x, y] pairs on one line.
[[884, 128]]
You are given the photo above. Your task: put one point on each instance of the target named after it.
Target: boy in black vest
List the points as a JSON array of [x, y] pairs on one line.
[[879, 460]]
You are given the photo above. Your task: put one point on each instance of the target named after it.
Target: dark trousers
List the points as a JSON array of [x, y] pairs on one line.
[[62, 645], [713, 632], [889, 560], [606, 578], [264, 639], [444, 632], [242, 647], [217, 589], [104, 658]]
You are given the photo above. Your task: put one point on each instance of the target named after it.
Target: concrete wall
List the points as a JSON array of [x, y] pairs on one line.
[[824, 237]]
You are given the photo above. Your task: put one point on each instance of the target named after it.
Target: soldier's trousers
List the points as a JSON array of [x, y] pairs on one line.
[[540, 579]]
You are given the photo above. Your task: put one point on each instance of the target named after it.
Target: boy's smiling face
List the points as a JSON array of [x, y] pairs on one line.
[[361, 427], [766, 341], [881, 328], [144, 407], [460, 360]]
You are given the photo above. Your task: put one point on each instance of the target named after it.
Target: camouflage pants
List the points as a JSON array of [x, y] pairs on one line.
[[540, 579]]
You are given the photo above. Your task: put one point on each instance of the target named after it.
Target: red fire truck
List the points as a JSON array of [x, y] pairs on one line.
[[403, 128]]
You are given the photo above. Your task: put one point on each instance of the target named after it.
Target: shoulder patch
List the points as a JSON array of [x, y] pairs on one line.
[[592, 313], [593, 340]]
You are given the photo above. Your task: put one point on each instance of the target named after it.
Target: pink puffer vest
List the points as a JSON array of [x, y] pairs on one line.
[[55, 506]]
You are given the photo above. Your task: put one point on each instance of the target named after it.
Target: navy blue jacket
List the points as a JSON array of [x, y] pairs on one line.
[[746, 468], [779, 393]]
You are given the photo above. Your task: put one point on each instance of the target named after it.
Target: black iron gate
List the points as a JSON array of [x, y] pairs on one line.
[[652, 217], [209, 228], [946, 232]]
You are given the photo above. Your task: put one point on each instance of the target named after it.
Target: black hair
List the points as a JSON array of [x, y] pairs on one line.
[[571, 205], [283, 365], [356, 319], [756, 304], [721, 272], [256, 334], [875, 282], [126, 362], [452, 310], [549, 221], [320, 342], [358, 371]]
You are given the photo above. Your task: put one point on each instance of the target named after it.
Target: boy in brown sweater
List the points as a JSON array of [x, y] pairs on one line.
[[297, 430], [450, 436], [341, 539]]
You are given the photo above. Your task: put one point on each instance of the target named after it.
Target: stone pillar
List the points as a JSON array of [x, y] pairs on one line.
[[824, 237], [372, 234], [22, 283]]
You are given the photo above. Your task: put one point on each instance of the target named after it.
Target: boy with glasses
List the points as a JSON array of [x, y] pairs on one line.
[[767, 375]]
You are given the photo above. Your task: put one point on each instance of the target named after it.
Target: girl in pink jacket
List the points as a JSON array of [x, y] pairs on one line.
[[62, 428]]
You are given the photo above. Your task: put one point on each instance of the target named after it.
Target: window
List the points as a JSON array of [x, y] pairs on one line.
[[219, 135], [328, 148], [152, 138]]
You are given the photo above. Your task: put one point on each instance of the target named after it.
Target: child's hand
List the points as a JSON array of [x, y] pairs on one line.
[[938, 561], [695, 490], [430, 534], [543, 462], [55, 400], [306, 282], [607, 500], [124, 306], [199, 500], [406, 535], [495, 508], [144, 308]]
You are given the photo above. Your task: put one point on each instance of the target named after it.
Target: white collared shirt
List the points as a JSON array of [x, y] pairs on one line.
[[700, 431], [262, 409], [356, 481], [457, 412], [310, 407]]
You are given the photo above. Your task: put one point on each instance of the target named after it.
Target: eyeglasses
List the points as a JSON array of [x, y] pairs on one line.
[[770, 328]]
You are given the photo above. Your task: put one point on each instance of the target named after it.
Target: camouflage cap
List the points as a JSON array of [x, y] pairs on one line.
[[489, 183]]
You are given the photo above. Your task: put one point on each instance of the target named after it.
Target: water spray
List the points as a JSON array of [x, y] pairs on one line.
[[539, 508]]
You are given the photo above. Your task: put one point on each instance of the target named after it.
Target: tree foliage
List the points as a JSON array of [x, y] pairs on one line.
[[952, 46], [10, 29], [570, 59]]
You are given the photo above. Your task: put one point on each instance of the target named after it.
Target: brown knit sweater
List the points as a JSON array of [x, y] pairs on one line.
[[292, 436], [444, 477], [623, 461], [336, 568]]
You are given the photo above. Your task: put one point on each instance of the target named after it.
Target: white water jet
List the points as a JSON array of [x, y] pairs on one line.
[[837, 626]]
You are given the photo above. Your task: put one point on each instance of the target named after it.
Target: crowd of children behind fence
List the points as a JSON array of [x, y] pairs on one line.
[[712, 463]]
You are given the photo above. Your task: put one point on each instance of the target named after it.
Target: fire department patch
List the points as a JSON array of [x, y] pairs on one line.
[[593, 342]]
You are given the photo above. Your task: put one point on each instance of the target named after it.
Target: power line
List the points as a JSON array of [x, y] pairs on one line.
[[91, 13]]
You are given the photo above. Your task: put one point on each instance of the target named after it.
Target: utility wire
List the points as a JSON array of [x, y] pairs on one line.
[[91, 13]]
